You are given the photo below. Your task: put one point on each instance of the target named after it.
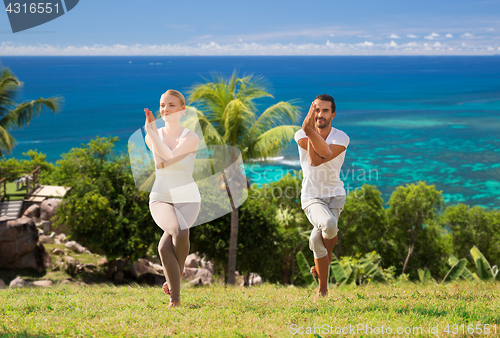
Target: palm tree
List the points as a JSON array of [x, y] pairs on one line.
[[18, 115], [228, 116]]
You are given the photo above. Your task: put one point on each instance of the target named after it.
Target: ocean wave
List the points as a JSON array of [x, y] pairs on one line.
[[278, 160], [25, 142]]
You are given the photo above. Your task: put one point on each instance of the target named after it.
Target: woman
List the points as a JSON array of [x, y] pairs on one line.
[[174, 201]]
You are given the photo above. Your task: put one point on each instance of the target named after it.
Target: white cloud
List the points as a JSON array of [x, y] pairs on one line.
[[432, 36], [394, 36], [214, 48], [466, 35], [448, 35], [411, 36]]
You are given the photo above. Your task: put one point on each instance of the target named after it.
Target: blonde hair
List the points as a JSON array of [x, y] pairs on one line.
[[176, 94]]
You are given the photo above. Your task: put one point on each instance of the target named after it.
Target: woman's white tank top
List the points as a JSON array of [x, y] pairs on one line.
[[175, 183]]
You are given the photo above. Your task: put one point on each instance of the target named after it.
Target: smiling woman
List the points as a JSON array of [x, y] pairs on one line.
[[174, 199]]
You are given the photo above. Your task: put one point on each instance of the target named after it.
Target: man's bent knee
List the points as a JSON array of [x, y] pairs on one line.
[[331, 229], [317, 246]]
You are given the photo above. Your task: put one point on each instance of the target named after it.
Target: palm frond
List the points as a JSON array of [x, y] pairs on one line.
[[7, 142], [21, 115], [253, 87], [279, 113], [236, 117], [9, 86], [271, 142], [210, 133]]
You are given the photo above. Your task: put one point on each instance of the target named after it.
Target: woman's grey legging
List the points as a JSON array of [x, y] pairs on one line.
[[175, 219]]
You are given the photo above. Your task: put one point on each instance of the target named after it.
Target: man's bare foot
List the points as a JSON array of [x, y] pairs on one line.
[[313, 271], [322, 293], [173, 304], [165, 288]]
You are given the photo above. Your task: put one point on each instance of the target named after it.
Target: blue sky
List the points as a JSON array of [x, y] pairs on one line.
[[361, 27]]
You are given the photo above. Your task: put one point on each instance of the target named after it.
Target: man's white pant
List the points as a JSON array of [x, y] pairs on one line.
[[323, 213]]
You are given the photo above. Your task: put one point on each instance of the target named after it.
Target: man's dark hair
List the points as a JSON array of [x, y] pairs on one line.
[[326, 97]]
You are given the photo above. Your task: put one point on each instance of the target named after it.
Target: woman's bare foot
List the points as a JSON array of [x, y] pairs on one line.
[[313, 271], [173, 304], [165, 288]]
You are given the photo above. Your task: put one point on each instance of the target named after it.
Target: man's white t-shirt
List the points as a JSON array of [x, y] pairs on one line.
[[322, 180]]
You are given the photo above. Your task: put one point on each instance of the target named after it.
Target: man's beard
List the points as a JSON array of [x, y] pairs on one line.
[[323, 125]]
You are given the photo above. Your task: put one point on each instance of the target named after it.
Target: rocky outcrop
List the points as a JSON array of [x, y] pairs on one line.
[[194, 261], [48, 209], [75, 247], [202, 276], [20, 247], [32, 211], [139, 268], [17, 282]]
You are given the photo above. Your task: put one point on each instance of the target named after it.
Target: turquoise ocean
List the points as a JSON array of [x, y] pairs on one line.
[[409, 118]]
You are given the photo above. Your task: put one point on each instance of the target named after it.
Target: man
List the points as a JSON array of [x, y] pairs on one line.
[[322, 150]]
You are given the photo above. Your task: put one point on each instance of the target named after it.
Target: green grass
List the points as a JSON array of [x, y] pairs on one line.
[[104, 310], [13, 193]]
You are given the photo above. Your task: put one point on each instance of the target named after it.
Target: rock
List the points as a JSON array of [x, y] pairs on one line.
[[2, 284], [192, 273], [155, 259], [41, 283], [138, 269], [48, 210], [57, 251], [254, 279], [75, 247], [80, 268], [192, 261], [102, 262], [18, 238], [87, 251], [90, 266], [20, 248], [67, 281], [4, 218], [46, 239], [71, 266], [208, 265], [158, 268], [17, 282], [144, 261], [197, 282], [151, 279], [62, 238], [32, 211], [56, 241], [118, 277]]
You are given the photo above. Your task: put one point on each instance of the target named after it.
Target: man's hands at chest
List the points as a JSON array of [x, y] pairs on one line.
[[314, 158]]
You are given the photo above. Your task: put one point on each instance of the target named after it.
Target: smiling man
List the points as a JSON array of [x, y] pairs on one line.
[[322, 150]]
